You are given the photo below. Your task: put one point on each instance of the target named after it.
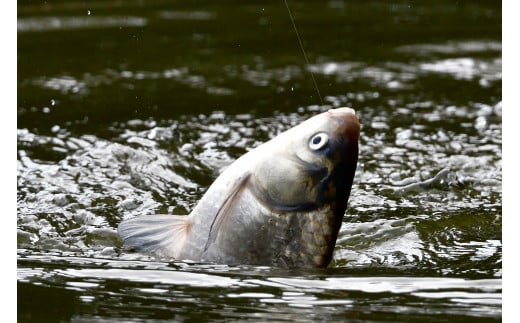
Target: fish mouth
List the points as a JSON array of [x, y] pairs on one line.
[[343, 110], [346, 134], [348, 127]]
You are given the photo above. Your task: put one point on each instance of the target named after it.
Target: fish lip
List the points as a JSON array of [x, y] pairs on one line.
[[350, 126], [345, 137], [342, 111]]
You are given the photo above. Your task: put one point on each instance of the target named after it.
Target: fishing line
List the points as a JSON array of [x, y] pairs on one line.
[[303, 50]]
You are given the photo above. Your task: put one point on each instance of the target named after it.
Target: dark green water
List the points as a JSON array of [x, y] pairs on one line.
[[133, 107]]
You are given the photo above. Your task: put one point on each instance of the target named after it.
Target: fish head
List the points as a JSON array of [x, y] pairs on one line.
[[313, 165]]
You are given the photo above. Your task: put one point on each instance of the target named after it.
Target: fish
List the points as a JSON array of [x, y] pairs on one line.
[[280, 204]]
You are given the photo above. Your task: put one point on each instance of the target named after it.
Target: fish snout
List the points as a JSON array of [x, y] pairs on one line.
[[346, 131], [342, 111]]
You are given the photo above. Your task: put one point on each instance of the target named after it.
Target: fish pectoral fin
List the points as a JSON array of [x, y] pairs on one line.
[[224, 212], [162, 235]]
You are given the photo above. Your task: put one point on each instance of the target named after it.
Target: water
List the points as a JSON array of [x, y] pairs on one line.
[[133, 109]]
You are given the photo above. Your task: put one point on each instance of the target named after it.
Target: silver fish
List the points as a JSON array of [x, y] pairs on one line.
[[280, 204]]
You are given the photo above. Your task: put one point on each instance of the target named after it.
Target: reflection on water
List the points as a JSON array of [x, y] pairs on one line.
[[268, 290], [133, 110], [400, 76], [81, 22]]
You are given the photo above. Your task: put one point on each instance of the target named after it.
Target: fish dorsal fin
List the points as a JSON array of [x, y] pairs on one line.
[[160, 234], [224, 212]]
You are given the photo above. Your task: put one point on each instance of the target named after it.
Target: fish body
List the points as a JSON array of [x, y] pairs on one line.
[[280, 204]]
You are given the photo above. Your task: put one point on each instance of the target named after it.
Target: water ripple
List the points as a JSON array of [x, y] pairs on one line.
[[42, 24]]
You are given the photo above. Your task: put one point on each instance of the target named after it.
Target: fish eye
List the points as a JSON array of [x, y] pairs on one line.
[[318, 141]]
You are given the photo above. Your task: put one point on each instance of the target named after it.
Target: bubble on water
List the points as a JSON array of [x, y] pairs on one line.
[[403, 135], [141, 141], [64, 84], [484, 82], [160, 133], [186, 148], [483, 109], [53, 102], [60, 199], [46, 110], [381, 125], [480, 123], [498, 109], [394, 84], [87, 298], [250, 295], [81, 284], [129, 204]]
